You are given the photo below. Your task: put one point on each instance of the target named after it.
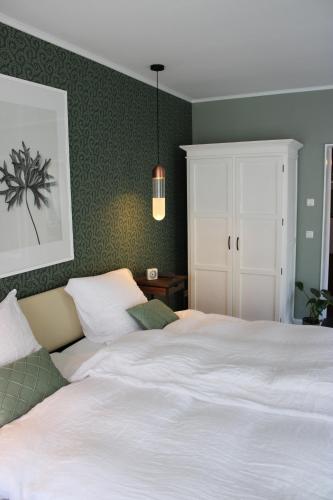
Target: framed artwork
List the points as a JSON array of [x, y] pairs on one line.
[[35, 198]]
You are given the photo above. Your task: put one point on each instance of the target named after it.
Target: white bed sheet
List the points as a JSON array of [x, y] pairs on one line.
[[209, 408], [71, 358]]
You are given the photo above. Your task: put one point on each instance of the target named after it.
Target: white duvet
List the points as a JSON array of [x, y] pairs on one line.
[[208, 408]]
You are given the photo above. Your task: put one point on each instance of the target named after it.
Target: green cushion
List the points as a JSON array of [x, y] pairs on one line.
[[26, 382], [153, 314]]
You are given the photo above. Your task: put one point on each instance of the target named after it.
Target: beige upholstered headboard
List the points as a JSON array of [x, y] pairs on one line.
[[52, 317]]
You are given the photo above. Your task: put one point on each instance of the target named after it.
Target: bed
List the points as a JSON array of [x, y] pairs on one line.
[[210, 407]]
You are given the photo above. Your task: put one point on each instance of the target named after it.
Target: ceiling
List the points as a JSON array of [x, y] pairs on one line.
[[211, 48]]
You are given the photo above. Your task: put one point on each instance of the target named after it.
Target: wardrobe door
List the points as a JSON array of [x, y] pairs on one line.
[[258, 225], [210, 234]]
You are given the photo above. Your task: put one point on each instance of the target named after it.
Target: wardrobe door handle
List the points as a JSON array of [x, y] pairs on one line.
[[237, 243], [229, 242]]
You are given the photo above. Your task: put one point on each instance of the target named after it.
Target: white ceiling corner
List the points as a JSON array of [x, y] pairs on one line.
[[212, 49]]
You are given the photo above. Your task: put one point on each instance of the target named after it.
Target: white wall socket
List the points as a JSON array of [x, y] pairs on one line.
[[310, 202], [309, 235]]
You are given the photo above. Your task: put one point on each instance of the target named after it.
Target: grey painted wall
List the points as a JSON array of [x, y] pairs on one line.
[[305, 116]]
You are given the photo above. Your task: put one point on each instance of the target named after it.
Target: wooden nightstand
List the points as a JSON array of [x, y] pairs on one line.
[[164, 287]]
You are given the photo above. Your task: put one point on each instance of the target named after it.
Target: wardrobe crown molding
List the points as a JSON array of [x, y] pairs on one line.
[[276, 146]]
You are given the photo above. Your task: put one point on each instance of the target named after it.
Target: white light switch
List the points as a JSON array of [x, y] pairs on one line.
[[309, 235], [310, 202]]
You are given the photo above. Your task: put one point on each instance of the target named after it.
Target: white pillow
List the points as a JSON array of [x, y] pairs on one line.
[[16, 337], [101, 303]]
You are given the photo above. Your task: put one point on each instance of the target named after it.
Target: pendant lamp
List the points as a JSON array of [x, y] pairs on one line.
[[158, 173]]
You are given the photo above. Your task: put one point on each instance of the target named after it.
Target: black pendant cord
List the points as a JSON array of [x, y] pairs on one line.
[[157, 68], [157, 121]]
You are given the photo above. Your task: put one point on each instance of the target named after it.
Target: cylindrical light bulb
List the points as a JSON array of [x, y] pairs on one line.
[[158, 208], [158, 177]]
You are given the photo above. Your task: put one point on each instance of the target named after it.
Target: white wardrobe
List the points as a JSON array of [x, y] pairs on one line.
[[242, 201]]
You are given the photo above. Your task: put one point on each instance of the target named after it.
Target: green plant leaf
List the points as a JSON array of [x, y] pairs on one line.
[[299, 285], [311, 301], [321, 305], [315, 292]]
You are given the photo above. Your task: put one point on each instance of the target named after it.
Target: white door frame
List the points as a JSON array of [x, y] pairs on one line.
[[326, 228]]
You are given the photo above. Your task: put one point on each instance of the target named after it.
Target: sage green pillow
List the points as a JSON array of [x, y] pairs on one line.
[[26, 382], [153, 314]]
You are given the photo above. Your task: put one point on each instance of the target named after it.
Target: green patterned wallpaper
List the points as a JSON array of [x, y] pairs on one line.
[[112, 150]]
